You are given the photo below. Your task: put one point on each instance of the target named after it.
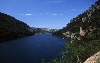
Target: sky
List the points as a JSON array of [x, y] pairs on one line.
[[53, 14]]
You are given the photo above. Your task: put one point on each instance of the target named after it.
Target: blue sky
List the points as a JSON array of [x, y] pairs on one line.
[[45, 13]]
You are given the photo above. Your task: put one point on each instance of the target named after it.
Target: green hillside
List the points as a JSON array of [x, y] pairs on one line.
[[84, 34], [11, 28]]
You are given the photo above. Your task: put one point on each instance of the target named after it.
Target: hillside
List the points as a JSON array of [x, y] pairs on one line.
[[43, 30], [11, 28], [88, 21], [84, 34]]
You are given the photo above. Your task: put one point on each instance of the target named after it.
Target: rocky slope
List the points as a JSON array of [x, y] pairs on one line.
[[86, 22], [84, 31], [94, 59]]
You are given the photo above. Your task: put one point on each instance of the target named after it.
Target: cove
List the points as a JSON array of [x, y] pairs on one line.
[[32, 49]]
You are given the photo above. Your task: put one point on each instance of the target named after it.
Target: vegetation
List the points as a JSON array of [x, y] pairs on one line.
[[78, 50], [11, 28], [90, 18]]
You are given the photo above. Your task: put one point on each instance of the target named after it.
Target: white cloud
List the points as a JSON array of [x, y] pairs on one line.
[[66, 12], [22, 14], [48, 13], [81, 9], [48, 2], [65, 5], [54, 14], [73, 10], [71, 7], [41, 14], [61, 14], [64, 19], [54, 2], [76, 9], [28, 14]]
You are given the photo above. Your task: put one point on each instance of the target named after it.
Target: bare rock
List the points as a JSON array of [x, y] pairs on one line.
[[94, 59]]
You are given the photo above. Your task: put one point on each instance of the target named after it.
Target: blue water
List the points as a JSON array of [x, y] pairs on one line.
[[31, 49]]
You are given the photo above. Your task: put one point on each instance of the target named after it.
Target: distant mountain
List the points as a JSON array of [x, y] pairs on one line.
[[43, 30], [11, 28]]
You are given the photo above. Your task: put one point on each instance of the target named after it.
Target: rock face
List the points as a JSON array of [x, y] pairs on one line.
[[67, 34], [82, 32], [94, 59]]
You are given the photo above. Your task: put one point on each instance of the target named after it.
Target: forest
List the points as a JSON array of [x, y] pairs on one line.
[[11, 28]]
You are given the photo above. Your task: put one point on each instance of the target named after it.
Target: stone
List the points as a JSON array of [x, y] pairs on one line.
[[94, 59], [82, 32]]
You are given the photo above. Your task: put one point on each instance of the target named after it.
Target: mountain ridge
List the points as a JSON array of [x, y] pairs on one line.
[[43, 30]]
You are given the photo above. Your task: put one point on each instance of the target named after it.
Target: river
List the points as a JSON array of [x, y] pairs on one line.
[[32, 49]]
